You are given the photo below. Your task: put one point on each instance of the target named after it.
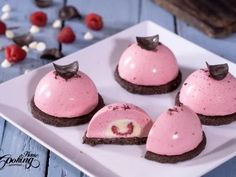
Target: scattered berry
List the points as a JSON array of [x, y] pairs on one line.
[[66, 35], [39, 19], [14, 53], [94, 21], [3, 28]]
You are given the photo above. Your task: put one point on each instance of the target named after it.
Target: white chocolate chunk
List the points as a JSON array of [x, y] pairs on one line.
[[5, 16], [41, 46], [27, 71], [6, 8], [33, 45], [9, 34], [34, 29], [88, 36], [25, 48], [122, 124], [6, 64], [57, 24]]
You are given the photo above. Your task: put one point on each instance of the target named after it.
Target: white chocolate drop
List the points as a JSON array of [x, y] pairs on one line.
[[41, 46], [33, 45], [6, 8], [57, 24], [9, 34], [25, 48], [6, 64], [5, 16], [88, 36], [34, 29]]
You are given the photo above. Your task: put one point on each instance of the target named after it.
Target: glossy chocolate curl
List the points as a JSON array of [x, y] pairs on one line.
[[24, 39], [52, 54], [218, 72], [69, 12], [67, 71], [43, 3], [148, 43]]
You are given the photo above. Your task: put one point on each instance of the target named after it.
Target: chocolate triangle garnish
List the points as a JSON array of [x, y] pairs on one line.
[[24, 39], [43, 3], [69, 12], [218, 72], [67, 71], [52, 54], [148, 43]]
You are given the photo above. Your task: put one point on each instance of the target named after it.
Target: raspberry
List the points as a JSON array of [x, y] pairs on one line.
[[130, 128], [94, 21], [39, 19], [14, 53], [3, 28], [66, 35]]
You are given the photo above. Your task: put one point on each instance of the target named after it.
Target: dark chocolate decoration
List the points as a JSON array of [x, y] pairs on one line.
[[52, 54], [69, 12], [67, 71], [43, 3], [218, 72], [24, 39], [148, 43]]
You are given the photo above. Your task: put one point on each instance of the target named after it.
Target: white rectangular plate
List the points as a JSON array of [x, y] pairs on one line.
[[99, 62]]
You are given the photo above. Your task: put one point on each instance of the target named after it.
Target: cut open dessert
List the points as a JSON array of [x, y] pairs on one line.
[[176, 136], [118, 123]]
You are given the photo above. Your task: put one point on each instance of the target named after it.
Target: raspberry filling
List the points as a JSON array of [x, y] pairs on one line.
[[130, 128]]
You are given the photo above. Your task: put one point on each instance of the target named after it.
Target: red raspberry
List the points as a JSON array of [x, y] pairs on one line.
[[14, 53], [39, 18], [66, 35], [94, 21], [3, 28]]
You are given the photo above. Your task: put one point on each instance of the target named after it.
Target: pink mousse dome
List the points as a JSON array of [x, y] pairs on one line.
[[175, 132], [70, 98], [148, 67], [208, 96]]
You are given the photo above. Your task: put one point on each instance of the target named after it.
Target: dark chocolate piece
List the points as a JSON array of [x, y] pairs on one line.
[[43, 3], [69, 12], [148, 90], [24, 39], [64, 121], [218, 72], [148, 43], [120, 141], [52, 54], [212, 120], [67, 71], [177, 158]]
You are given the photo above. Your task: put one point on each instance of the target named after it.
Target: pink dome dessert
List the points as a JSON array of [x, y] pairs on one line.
[[65, 97], [118, 123], [148, 67], [214, 100], [176, 135]]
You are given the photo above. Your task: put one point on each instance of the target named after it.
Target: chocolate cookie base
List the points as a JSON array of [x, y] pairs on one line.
[[63, 121], [213, 120], [148, 90], [177, 158], [120, 141]]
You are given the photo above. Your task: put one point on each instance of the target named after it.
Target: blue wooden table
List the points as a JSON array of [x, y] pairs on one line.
[[117, 15]]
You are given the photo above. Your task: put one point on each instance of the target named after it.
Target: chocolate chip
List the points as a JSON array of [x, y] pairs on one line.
[[218, 72], [52, 54], [148, 43], [43, 3], [24, 39], [67, 71], [69, 12]]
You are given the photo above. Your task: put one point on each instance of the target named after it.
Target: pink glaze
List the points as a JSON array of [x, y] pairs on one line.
[[58, 97], [144, 67], [103, 118], [175, 132], [207, 96]]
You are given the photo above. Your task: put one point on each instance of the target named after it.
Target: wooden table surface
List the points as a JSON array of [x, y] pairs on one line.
[[117, 15]]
